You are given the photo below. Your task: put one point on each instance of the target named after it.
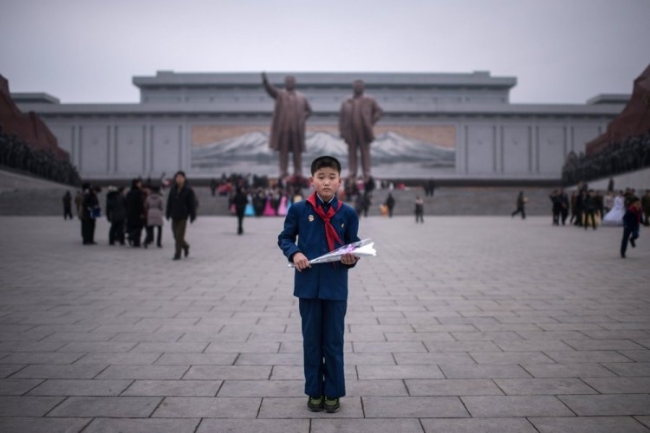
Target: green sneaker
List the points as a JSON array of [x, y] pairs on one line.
[[332, 405], [315, 404]]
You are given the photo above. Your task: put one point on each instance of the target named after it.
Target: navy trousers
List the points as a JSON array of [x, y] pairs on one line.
[[627, 234], [323, 325]]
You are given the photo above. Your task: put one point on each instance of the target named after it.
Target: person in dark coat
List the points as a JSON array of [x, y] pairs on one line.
[[390, 204], [135, 213], [589, 209], [181, 205], [564, 206], [419, 210], [557, 206], [67, 205], [580, 207], [631, 224], [116, 215], [89, 215], [240, 200], [521, 206]]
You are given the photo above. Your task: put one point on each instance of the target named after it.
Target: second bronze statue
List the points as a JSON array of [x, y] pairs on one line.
[[359, 114]]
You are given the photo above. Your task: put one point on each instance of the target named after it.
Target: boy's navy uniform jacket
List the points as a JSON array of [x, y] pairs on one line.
[[325, 280]]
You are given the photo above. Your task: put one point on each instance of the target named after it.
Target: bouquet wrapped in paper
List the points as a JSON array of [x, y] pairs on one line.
[[362, 248]]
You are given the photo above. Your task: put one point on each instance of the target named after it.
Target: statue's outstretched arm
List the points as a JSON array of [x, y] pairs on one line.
[[270, 89]]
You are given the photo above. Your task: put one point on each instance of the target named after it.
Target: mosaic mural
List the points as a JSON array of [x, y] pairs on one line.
[[399, 150]]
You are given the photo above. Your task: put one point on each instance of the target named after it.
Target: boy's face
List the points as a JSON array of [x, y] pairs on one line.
[[326, 180]]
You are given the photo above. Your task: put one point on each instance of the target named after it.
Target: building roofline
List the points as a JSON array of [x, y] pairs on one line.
[[609, 98], [325, 79], [173, 109], [34, 97]]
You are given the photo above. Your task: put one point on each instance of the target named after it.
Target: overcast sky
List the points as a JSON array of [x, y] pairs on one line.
[[561, 51]]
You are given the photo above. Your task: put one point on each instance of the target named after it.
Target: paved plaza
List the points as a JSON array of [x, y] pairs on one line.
[[460, 324]]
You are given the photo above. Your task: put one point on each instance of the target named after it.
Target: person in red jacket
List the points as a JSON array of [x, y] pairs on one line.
[[631, 223]]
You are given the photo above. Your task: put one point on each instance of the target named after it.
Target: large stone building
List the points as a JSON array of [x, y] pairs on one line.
[[447, 126]]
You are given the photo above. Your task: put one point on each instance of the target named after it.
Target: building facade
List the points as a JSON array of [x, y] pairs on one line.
[[447, 126]]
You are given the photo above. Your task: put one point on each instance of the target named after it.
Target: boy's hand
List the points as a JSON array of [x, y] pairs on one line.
[[300, 261], [349, 259]]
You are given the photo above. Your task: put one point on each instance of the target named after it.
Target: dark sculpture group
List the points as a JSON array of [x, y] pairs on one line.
[[358, 115]]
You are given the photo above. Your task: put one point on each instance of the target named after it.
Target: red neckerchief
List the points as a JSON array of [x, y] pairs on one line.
[[330, 232]]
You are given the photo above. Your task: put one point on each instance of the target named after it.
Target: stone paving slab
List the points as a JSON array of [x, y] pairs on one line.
[[254, 426], [114, 407], [81, 387], [461, 324], [599, 424], [478, 425], [365, 426], [44, 425], [112, 425]]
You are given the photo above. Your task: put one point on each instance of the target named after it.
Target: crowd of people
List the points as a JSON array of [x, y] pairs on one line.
[[267, 197], [140, 210], [632, 153], [16, 154], [590, 208], [259, 196]]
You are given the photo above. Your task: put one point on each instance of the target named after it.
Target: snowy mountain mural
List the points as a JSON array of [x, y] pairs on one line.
[[392, 154]]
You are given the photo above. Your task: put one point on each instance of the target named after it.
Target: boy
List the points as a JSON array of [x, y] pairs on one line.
[[321, 223], [631, 221]]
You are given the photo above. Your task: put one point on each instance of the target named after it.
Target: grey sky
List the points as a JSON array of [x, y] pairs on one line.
[[562, 51]]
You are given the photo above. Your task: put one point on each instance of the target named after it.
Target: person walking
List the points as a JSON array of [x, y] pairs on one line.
[[390, 204], [67, 205], [631, 224], [564, 206], [555, 200], [240, 201], [181, 206], [213, 186], [135, 213], [154, 209], [590, 206], [116, 215], [521, 205], [419, 209], [90, 212]]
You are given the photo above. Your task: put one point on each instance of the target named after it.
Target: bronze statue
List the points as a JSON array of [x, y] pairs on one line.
[[288, 126], [358, 115]]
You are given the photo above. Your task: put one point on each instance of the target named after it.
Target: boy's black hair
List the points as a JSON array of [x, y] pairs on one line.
[[325, 161]]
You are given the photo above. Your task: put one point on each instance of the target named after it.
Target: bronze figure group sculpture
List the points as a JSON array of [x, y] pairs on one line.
[[358, 115]]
